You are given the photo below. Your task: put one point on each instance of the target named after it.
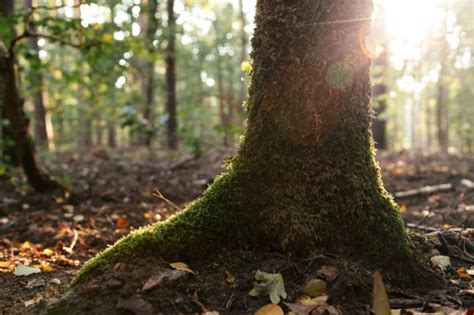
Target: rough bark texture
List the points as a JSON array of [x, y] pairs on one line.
[[305, 177], [12, 103], [172, 123]]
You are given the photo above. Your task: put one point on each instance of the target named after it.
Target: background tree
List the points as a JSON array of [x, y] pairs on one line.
[[171, 104], [12, 106]]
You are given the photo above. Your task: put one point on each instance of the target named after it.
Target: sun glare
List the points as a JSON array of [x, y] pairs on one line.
[[408, 24]]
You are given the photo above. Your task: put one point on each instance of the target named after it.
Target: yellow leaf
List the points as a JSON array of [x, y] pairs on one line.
[[26, 245], [107, 37], [48, 251], [269, 309], [246, 66], [5, 264], [380, 305], [181, 267], [403, 208], [44, 267]]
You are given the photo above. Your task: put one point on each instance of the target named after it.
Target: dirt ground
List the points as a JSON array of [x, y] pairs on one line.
[[112, 193]]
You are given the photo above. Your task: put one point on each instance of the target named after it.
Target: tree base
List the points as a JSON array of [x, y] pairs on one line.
[[229, 216], [212, 289]]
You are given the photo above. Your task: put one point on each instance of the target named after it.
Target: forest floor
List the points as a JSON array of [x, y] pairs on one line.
[[112, 193]]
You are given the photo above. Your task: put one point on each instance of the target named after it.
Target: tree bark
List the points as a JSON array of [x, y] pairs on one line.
[[442, 99], [172, 122], [12, 103], [243, 58], [41, 134], [305, 176], [150, 24]]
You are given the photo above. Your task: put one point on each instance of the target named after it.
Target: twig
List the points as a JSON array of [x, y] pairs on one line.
[[73, 243], [195, 300], [427, 190], [169, 202], [58, 39], [54, 8]]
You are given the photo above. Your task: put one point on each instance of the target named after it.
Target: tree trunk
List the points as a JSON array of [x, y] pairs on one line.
[[13, 105], [111, 135], [172, 123], [305, 176], [442, 120], [243, 58], [150, 24], [221, 98], [41, 134], [379, 89]]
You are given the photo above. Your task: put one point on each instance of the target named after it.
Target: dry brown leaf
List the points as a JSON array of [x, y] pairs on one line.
[[229, 277], [182, 267], [38, 297]]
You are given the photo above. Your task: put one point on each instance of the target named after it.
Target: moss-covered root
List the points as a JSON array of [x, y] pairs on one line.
[[212, 222]]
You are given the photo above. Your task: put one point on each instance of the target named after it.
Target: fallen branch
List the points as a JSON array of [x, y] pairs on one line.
[[469, 184], [73, 243], [427, 190]]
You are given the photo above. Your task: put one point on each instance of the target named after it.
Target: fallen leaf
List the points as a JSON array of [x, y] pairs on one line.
[[269, 284], [26, 244], [48, 252], [38, 297], [22, 270], [269, 309], [5, 264], [78, 218], [316, 309], [35, 283], [441, 261], [229, 277], [168, 277], [462, 273], [320, 300], [135, 305], [403, 209], [315, 288], [328, 273], [55, 281], [122, 223], [380, 304], [182, 267]]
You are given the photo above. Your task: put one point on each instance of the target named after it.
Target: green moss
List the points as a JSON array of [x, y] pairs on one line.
[[305, 176]]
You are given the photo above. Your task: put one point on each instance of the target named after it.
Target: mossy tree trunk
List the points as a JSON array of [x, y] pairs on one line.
[[305, 177]]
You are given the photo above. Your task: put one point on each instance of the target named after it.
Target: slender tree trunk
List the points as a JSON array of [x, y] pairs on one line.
[[442, 119], [41, 134], [221, 98], [13, 105], [111, 135], [172, 123], [243, 58], [305, 176], [149, 23]]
